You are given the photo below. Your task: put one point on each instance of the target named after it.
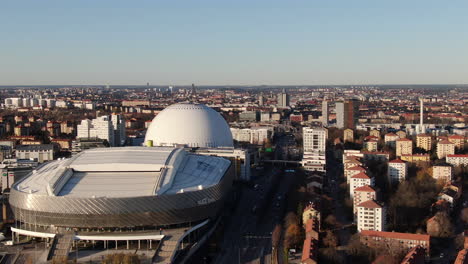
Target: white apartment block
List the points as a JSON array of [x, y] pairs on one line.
[[314, 145], [359, 180], [314, 139], [256, 136], [350, 172], [110, 128], [445, 148], [442, 173], [397, 171], [457, 159], [362, 194], [370, 216]]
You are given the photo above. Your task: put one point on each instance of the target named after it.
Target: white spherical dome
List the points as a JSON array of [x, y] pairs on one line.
[[193, 125]]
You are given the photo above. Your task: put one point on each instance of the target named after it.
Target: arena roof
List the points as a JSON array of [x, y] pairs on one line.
[[125, 172]]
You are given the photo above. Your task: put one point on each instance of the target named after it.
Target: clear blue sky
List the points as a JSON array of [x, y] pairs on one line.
[[233, 42]]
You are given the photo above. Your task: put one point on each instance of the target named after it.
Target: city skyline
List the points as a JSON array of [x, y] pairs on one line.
[[242, 43]]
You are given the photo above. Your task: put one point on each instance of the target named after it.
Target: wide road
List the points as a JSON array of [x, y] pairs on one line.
[[247, 237]]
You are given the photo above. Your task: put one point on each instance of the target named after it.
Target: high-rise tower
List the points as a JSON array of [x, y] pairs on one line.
[[421, 116], [325, 112]]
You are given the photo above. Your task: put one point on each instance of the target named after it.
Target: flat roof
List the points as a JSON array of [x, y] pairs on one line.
[[125, 172]]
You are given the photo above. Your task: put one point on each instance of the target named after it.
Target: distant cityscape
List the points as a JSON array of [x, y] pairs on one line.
[[234, 174]]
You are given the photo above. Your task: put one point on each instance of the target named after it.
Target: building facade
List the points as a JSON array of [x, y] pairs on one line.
[[424, 141], [397, 171], [445, 148], [404, 146], [370, 216], [442, 173], [347, 113]]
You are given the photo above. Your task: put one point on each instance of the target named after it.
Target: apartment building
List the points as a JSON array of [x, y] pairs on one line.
[[445, 148], [359, 180], [350, 172], [348, 135], [362, 194], [404, 146], [370, 216], [314, 144], [442, 173], [457, 159], [374, 133], [424, 141], [390, 139], [397, 171], [416, 158], [458, 140], [405, 241], [371, 145], [401, 134]]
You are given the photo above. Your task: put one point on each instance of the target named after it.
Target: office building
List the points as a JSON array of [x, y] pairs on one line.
[[283, 99], [347, 114], [325, 113]]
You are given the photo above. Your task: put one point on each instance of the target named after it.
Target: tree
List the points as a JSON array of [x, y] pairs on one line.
[[293, 236], [276, 236], [290, 219], [331, 221], [464, 215], [440, 225], [359, 252], [330, 240]]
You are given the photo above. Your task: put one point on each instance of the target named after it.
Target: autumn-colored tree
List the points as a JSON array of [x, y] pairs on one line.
[[292, 237], [440, 225], [290, 219], [276, 236]]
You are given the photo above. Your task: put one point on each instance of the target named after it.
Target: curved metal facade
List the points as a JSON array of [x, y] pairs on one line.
[[120, 212]]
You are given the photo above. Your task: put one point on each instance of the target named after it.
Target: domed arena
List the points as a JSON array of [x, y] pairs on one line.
[[191, 125]]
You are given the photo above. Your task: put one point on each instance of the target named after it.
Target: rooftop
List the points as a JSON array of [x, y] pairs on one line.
[[365, 188], [370, 204], [395, 235], [125, 172], [360, 175]]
